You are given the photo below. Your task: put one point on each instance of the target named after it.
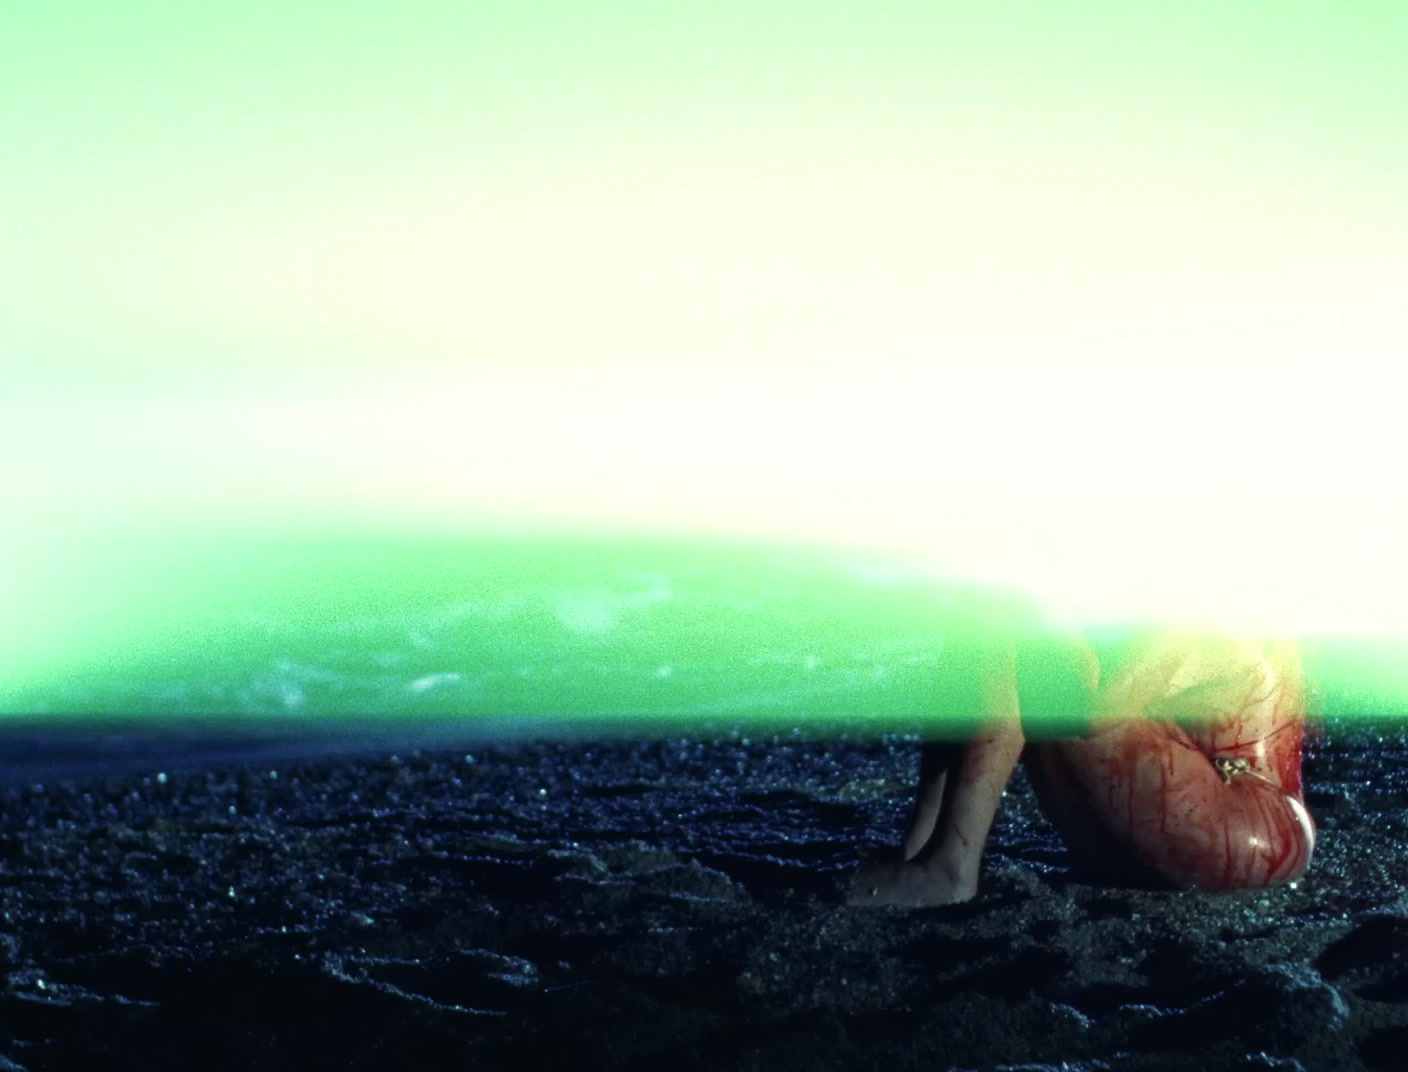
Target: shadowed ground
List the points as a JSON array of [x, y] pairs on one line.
[[170, 902]]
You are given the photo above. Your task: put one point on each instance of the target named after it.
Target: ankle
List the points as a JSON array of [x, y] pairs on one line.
[[955, 872]]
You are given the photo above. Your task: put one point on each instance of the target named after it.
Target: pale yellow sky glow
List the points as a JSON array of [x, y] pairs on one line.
[[1107, 302], [682, 260], [1245, 491]]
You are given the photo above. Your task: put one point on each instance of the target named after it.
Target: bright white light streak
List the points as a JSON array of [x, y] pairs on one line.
[[1191, 483]]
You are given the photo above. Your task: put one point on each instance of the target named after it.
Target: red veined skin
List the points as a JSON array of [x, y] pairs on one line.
[[1191, 777]]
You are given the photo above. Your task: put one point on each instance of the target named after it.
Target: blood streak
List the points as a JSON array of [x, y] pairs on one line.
[[1191, 777]]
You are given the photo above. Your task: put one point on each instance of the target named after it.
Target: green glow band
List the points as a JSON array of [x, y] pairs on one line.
[[662, 365]]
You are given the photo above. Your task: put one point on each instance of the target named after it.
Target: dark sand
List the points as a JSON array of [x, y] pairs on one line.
[[652, 904]]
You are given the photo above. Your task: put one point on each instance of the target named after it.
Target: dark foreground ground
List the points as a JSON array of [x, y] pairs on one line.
[[652, 904]]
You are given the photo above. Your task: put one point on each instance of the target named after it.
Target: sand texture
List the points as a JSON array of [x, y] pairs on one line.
[[654, 904]]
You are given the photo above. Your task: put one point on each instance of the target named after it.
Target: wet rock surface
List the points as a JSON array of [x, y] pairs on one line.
[[646, 904]]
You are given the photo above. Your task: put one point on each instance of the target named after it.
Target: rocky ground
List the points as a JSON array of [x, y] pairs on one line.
[[648, 904]]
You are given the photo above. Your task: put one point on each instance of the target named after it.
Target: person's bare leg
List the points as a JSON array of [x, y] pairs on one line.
[[935, 761], [945, 866]]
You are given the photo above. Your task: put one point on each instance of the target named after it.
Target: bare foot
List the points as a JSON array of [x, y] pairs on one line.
[[912, 884]]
